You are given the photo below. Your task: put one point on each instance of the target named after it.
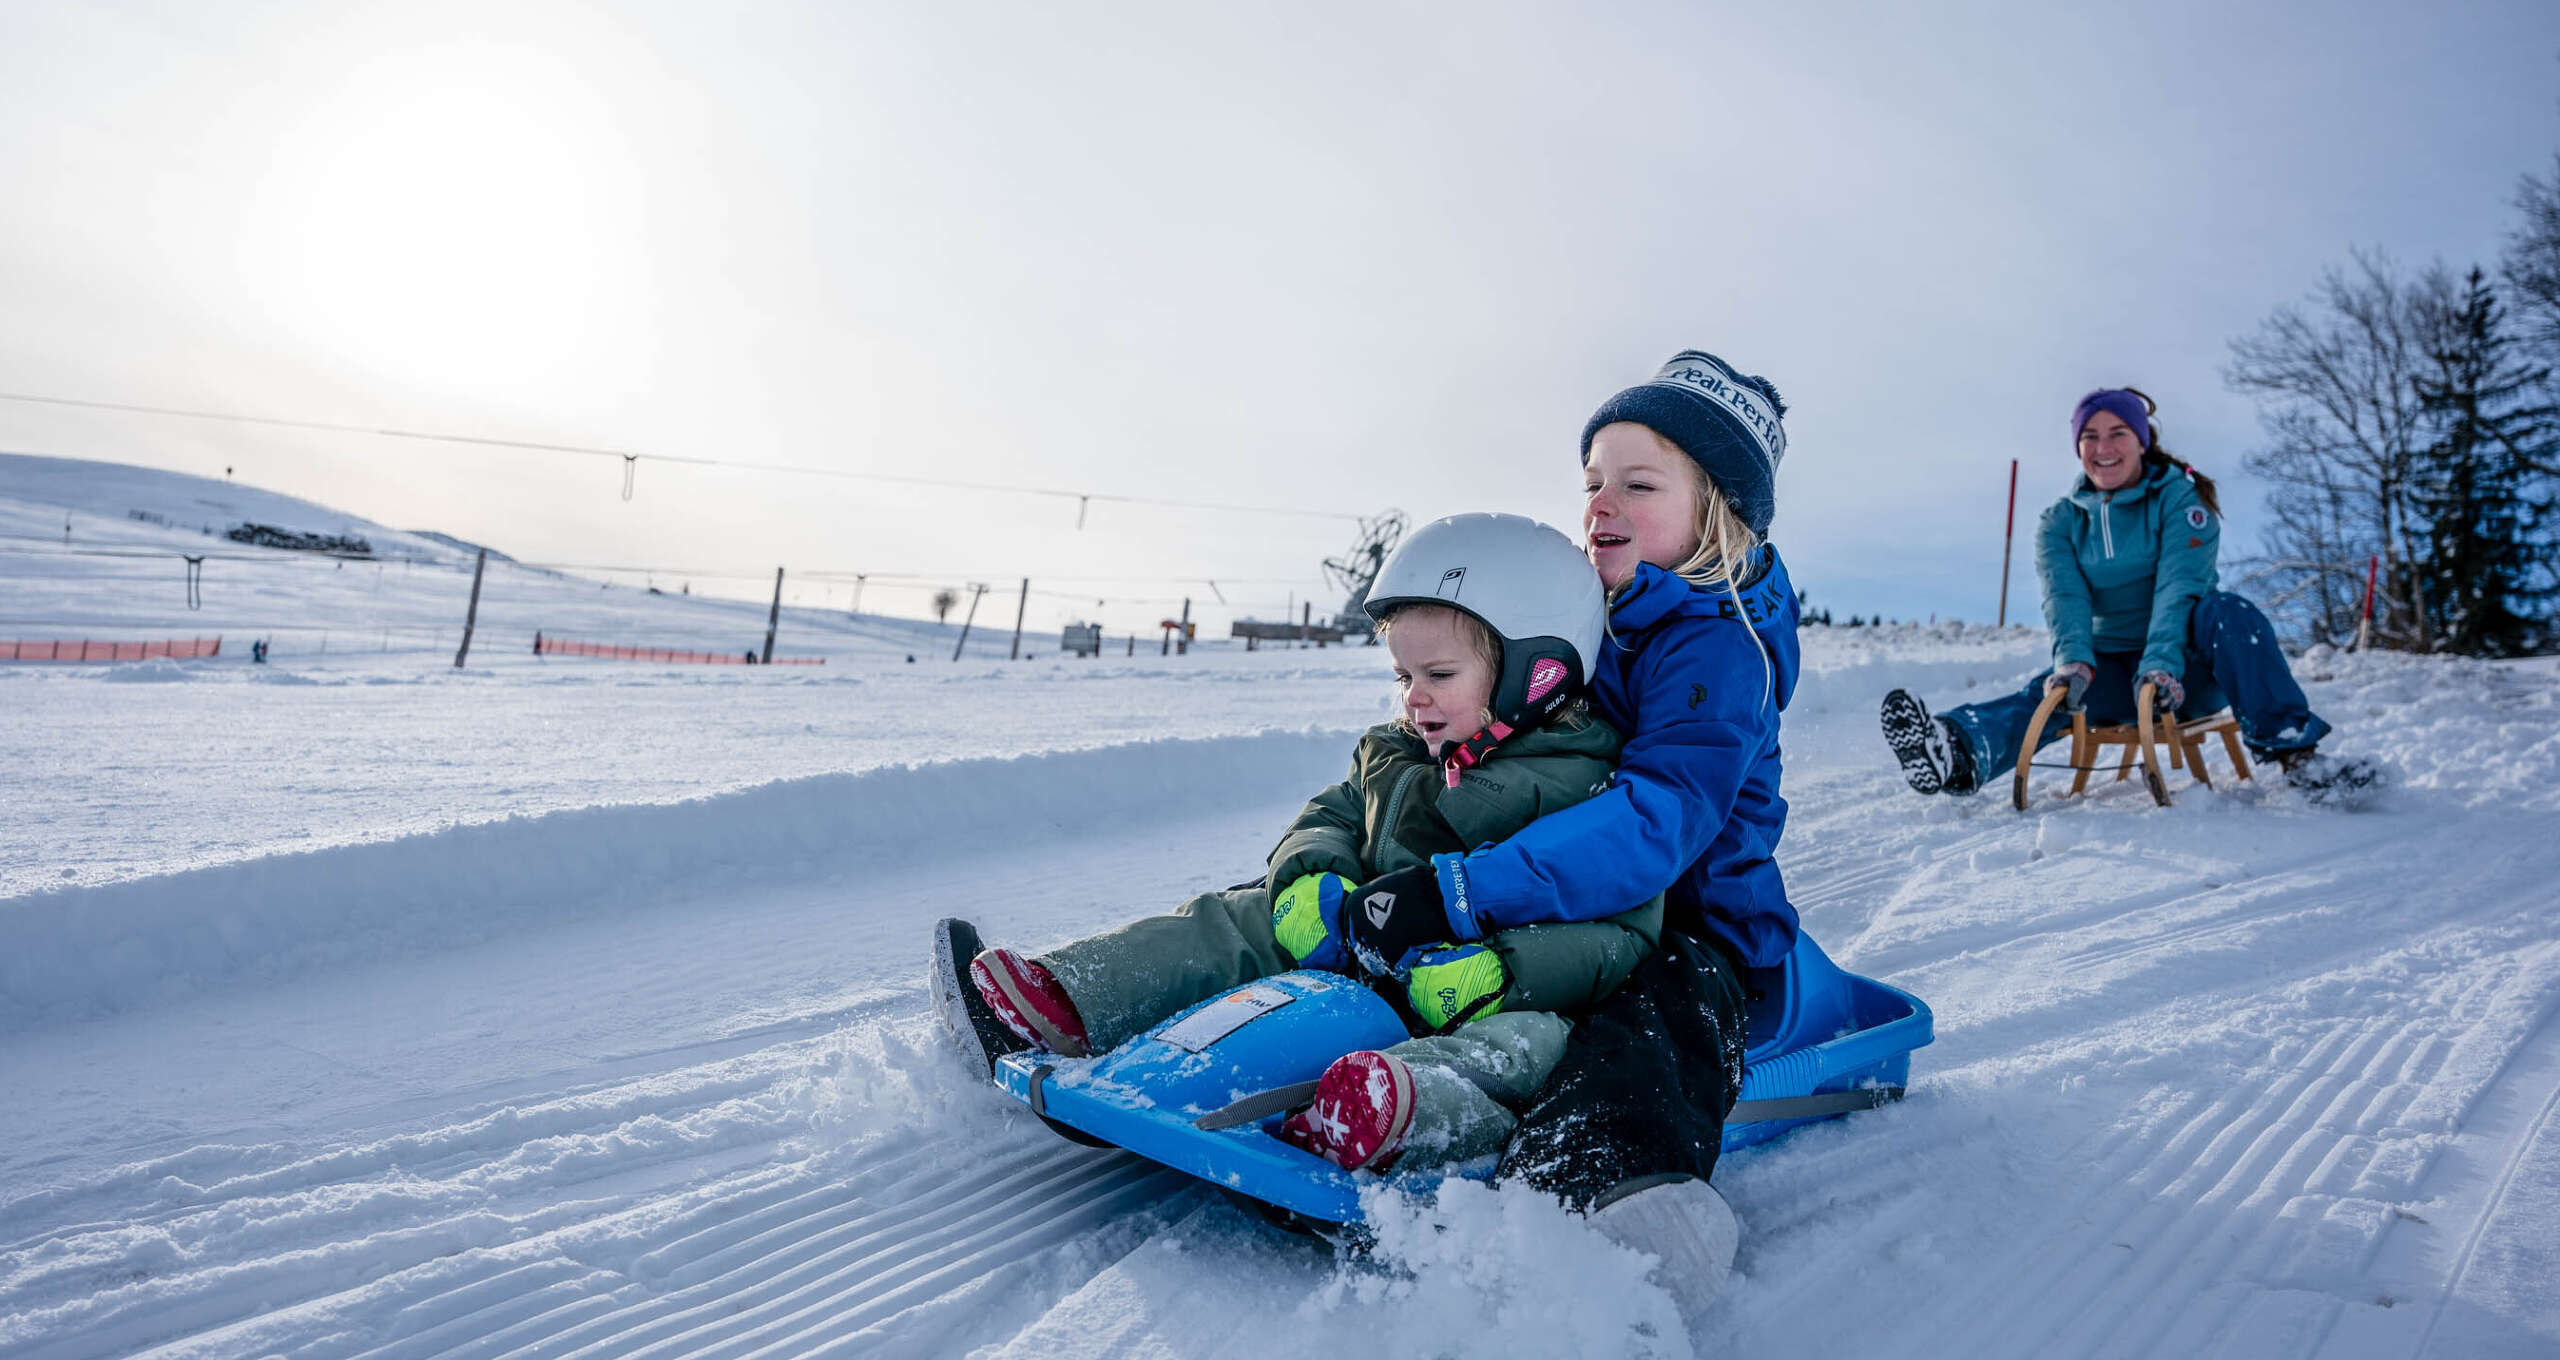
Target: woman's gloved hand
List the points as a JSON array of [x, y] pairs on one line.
[[2076, 675], [1306, 918], [2172, 696]]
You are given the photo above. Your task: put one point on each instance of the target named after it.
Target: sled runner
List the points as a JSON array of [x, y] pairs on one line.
[[1204, 1092], [2139, 739]]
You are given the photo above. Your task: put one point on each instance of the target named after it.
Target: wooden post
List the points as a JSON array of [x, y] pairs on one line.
[[1018, 607], [1306, 615], [1133, 642], [2008, 532], [470, 617], [773, 617], [857, 594], [976, 593], [1183, 646]]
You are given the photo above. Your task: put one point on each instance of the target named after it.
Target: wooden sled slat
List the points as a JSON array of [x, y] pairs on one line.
[[2141, 740]]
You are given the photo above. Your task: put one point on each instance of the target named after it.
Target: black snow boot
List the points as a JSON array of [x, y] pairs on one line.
[[2327, 780], [980, 1035], [1935, 757]]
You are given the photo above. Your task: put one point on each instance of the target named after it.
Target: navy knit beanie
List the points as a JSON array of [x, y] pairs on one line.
[[1726, 422]]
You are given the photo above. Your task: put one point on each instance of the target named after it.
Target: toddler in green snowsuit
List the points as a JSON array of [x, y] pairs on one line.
[[1473, 759]]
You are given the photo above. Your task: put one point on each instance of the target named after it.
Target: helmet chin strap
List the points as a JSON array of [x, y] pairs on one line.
[[1546, 685], [1472, 751]]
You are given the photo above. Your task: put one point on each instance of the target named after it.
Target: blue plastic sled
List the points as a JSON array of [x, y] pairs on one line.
[[1817, 1031]]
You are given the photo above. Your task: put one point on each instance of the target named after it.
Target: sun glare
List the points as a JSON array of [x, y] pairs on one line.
[[458, 217]]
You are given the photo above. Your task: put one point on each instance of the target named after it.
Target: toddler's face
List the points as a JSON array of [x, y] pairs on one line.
[[1639, 502], [1447, 687]]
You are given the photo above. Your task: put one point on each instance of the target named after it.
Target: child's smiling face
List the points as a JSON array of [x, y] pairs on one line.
[[1446, 680], [1640, 502]]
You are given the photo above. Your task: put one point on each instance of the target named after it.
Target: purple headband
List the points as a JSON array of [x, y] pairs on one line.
[[2123, 404]]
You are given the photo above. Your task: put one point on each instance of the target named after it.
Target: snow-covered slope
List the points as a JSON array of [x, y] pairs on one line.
[[98, 497], [113, 577], [577, 1011]]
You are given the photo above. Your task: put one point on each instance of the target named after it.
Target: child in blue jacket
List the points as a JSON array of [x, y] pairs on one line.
[[1679, 486]]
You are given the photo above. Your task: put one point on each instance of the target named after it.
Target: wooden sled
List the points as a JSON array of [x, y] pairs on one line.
[[2140, 738]]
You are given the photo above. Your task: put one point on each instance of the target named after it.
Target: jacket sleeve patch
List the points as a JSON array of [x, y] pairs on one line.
[[2196, 518]]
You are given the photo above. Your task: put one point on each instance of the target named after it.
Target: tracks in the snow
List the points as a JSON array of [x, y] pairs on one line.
[[2280, 1056], [2226, 1080], [702, 1210], [802, 1274]]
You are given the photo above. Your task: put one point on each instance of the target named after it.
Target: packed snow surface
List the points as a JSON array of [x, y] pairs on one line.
[[356, 1006]]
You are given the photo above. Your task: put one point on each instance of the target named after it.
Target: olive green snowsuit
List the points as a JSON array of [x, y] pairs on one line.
[[1395, 811]]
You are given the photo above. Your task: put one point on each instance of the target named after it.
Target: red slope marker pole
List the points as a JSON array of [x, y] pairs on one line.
[[2008, 534]]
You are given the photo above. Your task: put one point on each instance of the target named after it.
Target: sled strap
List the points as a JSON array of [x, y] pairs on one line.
[[1813, 1107], [1258, 1106], [1262, 1105]]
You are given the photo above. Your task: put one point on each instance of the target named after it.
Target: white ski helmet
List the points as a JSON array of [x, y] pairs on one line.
[[1526, 582]]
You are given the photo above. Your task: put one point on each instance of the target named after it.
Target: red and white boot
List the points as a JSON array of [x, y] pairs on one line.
[[1363, 1106], [1030, 1002]]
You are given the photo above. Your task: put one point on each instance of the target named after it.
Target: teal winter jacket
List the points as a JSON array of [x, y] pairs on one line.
[[2123, 569]]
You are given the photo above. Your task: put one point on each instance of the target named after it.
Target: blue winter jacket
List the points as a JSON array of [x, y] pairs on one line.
[[2123, 569], [1694, 808]]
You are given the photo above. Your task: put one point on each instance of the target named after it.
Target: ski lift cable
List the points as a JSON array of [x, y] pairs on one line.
[[630, 457], [842, 574], [883, 580]]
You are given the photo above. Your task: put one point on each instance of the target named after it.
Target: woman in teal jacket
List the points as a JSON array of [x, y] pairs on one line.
[[2131, 596]]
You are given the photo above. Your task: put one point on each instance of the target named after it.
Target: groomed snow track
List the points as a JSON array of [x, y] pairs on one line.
[[2243, 1077]]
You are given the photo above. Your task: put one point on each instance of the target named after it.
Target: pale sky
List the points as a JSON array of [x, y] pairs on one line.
[[1329, 257]]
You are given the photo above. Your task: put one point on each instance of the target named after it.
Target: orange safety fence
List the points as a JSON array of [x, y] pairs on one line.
[[175, 649], [552, 646]]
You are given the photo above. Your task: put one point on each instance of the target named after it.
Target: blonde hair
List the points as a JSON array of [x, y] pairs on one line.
[[1722, 559], [1725, 543], [1486, 646], [1479, 635]]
